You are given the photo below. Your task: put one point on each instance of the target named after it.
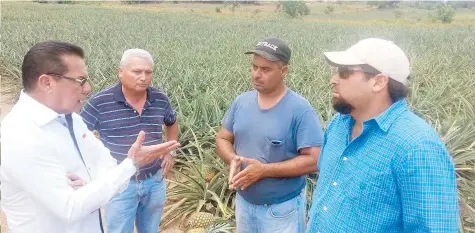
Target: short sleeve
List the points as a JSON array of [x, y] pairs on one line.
[[170, 115], [228, 120], [308, 130]]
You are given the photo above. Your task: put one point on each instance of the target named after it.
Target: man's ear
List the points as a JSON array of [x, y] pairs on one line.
[[121, 72], [380, 82], [284, 70], [46, 83]]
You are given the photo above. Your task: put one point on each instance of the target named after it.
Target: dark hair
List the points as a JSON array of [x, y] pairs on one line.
[[396, 89], [45, 57]]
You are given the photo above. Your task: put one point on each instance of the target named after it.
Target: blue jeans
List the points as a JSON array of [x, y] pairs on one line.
[[285, 217], [142, 201]]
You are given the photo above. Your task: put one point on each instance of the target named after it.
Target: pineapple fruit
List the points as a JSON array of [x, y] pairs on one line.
[[201, 220], [209, 172]]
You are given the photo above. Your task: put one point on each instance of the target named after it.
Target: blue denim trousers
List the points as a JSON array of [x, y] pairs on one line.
[[285, 217], [142, 202]]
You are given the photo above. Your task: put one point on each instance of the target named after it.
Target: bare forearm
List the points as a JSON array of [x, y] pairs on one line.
[[225, 150], [172, 131], [298, 166]]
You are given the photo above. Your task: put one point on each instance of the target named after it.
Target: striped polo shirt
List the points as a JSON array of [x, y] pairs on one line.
[[119, 124]]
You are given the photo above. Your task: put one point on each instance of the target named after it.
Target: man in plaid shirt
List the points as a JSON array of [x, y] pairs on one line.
[[382, 168]]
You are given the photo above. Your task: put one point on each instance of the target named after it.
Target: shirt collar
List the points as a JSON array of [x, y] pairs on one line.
[[37, 111], [386, 118], [119, 95], [389, 116]]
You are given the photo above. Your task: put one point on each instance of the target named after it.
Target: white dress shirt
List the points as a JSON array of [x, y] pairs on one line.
[[37, 153]]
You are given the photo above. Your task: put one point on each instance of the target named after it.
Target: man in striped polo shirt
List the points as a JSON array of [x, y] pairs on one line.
[[119, 113]]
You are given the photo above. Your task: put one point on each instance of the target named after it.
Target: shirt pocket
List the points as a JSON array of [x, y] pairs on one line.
[[372, 189], [373, 201], [274, 148]]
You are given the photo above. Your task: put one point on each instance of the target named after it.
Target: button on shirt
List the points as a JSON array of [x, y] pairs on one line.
[[397, 176], [119, 123], [37, 154]]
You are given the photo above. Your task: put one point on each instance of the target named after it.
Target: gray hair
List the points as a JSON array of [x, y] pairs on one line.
[[135, 53]]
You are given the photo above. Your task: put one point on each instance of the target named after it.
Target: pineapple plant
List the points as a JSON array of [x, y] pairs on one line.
[[199, 185]]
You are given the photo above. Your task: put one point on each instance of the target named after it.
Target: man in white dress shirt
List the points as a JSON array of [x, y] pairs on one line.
[[46, 146]]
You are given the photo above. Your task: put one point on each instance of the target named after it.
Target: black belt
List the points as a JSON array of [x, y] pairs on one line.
[[149, 173]]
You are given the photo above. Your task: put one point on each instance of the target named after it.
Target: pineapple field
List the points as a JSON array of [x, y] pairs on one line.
[[200, 64]]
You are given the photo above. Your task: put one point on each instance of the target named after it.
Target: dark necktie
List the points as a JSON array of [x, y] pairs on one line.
[[69, 120]]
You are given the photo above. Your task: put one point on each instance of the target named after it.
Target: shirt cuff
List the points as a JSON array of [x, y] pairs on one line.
[[128, 165], [129, 168]]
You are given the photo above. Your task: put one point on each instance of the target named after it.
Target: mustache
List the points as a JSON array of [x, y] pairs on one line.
[[256, 81]]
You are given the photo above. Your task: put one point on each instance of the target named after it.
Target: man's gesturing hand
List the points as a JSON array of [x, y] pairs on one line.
[[143, 155], [234, 168], [251, 174]]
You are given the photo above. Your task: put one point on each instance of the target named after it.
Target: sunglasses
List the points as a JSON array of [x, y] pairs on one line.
[[81, 81], [345, 72]]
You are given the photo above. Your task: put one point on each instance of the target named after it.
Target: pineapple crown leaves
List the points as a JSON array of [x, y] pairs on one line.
[[191, 191]]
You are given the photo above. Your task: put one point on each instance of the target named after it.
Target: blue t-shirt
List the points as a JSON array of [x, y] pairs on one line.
[[271, 136]]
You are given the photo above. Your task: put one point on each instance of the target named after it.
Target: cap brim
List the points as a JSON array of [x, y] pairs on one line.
[[266, 55], [342, 58]]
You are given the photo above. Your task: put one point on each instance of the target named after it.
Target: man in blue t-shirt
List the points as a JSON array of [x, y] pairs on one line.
[[271, 138]]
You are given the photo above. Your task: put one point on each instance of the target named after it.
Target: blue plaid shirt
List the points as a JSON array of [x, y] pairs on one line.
[[397, 176]]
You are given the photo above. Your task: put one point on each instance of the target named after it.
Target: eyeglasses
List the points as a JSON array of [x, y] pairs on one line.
[[345, 72], [81, 81]]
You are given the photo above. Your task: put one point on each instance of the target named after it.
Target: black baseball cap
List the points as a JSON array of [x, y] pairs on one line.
[[272, 49]]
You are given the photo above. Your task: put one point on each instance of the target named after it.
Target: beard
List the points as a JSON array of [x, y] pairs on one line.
[[342, 106]]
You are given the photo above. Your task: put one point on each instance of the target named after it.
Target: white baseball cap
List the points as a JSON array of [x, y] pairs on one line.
[[380, 54]]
